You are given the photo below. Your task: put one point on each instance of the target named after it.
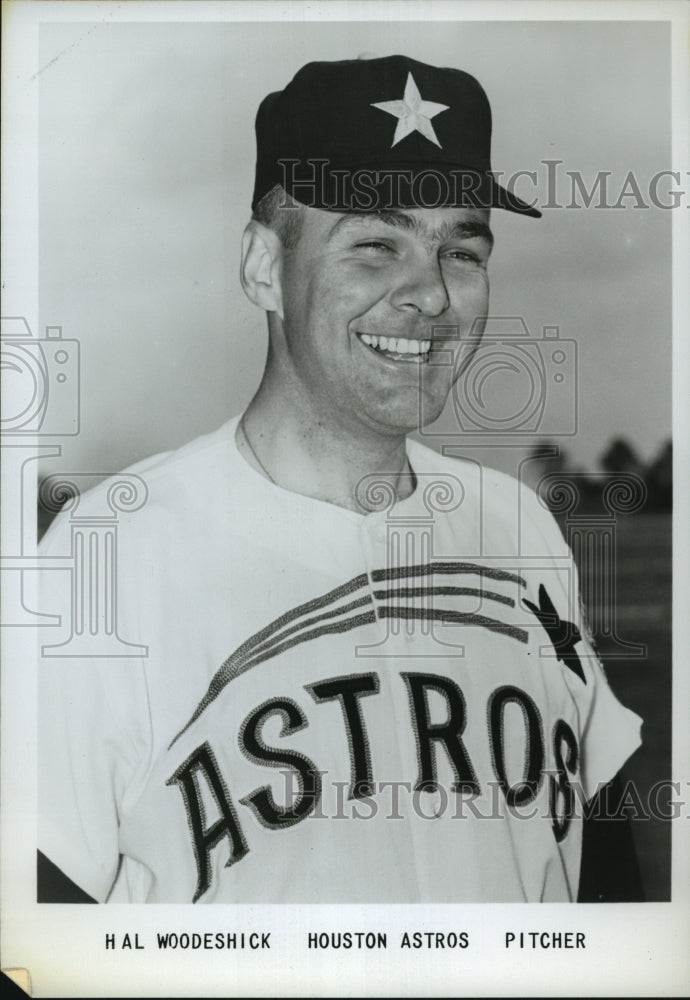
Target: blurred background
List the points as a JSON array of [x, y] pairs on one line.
[[145, 179]]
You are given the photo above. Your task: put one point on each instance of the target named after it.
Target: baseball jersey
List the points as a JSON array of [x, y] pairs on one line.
[[398, 706]]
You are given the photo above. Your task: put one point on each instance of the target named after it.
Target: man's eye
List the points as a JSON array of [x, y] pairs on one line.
[[462, 255], [375, 245]]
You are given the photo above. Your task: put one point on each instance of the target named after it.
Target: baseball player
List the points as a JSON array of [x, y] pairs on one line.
[[368, 678]]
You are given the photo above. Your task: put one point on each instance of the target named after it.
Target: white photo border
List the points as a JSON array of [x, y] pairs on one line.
[[632, 949]]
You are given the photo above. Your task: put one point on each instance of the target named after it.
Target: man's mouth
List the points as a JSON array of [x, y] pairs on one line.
[[398, 348]]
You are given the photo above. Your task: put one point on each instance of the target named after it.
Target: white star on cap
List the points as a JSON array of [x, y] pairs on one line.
[[413, 114]]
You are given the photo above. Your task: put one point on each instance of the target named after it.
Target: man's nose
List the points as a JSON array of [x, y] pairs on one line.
[[421, 288]]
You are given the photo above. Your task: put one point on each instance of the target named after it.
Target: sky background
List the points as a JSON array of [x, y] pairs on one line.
[[145, 179]]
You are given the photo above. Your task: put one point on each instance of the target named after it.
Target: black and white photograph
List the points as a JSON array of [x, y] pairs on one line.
[[344, 463]]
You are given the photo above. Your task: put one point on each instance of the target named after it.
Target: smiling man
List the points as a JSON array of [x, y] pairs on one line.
[[367, 679]]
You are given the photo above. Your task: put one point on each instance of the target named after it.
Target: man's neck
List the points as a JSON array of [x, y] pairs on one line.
[[309, 457]]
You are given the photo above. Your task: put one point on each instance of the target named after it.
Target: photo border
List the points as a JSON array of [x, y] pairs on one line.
[[636, 949]]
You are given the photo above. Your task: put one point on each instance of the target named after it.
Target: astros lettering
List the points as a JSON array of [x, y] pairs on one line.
[[201, 768]]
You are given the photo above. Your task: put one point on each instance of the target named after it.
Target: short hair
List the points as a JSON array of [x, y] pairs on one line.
[[281, 213]]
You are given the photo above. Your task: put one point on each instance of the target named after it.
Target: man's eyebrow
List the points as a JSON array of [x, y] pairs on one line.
[[390, 216], [465, 229]]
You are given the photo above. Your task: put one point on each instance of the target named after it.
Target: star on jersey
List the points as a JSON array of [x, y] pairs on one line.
[[563, 634], [413, 114]]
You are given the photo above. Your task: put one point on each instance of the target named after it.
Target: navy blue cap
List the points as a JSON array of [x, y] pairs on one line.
[[372, 134]]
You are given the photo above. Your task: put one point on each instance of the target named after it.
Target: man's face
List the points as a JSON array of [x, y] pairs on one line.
[[378, 309]]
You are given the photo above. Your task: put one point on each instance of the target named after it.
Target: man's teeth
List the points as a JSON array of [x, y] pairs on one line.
[[399, 345]]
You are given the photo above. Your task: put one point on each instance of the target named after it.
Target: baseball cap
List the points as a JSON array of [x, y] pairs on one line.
[[372, 134]]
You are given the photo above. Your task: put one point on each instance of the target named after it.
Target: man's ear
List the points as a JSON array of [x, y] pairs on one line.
[[260, 269]]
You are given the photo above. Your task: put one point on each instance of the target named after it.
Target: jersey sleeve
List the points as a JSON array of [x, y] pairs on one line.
[[92, 739], [609, 732]]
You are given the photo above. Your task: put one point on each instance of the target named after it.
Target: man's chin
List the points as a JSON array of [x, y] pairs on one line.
[[407, 416]]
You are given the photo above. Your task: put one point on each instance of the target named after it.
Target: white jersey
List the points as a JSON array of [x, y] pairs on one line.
[[401, 706]]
